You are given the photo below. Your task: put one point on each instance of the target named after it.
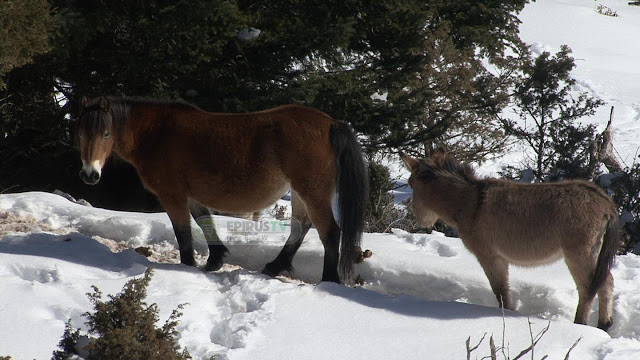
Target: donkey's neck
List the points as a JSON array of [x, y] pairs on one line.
[[457, 203]]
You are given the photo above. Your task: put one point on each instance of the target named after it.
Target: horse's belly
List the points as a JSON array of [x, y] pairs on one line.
[[241, 199]]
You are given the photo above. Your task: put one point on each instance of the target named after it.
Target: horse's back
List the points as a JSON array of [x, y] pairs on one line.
[[246, 161]]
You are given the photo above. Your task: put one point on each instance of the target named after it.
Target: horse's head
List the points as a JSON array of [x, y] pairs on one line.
[[94, 131], [421, 190]]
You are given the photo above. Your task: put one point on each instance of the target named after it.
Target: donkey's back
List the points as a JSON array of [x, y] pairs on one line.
[[532, 224]]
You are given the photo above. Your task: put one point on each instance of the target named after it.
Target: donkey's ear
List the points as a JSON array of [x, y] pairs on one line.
[[439, 156], [103, 103], [410, 162]]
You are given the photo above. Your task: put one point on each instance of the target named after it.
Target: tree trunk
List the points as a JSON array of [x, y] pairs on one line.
[[601, 150], [540, 150]]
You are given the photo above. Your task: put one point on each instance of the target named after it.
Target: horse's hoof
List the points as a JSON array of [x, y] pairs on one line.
[[269, 271], [334, 278], [213, 266], [188, 262]]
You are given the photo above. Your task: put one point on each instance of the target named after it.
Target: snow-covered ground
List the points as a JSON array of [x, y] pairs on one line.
[[423, 295]]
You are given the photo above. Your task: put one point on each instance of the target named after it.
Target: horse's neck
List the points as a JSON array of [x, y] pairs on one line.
[[132, 134]]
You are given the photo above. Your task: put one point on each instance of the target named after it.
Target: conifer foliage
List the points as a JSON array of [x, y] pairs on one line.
[[549, 110], [124, 327], [405, 74]]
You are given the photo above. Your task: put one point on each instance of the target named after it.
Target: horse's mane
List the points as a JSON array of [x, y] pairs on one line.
[[138, 101], [446, 167], [93, 123]]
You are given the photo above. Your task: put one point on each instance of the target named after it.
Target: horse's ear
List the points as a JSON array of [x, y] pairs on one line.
[[103, 103], [410, 162], [81, 105]]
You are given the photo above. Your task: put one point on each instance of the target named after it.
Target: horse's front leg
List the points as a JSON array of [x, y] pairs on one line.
[[497, 270], [178, 211], [205, 221]]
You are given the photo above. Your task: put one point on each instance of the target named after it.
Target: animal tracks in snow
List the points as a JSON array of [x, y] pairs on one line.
[[428, 243]]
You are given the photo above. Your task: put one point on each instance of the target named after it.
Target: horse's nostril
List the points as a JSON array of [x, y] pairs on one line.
[[91, 178]]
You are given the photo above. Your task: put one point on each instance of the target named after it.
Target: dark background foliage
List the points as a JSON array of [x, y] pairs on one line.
[[421, 57]]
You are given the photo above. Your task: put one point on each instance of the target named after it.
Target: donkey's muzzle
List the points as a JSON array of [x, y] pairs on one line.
[[90, 177]]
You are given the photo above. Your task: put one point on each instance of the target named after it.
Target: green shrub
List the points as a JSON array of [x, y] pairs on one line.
[[124, 327], [68, 343], [626, 193]]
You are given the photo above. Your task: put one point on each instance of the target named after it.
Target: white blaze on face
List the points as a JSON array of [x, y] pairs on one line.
[[89, 168]]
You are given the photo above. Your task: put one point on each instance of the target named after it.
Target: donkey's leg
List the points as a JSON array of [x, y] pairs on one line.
[[581, 269], [300, 224], [605, 298], [497, 270], [204, 219], [178, 211]]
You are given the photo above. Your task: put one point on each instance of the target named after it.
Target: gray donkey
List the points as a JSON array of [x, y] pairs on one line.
[[503, 222]]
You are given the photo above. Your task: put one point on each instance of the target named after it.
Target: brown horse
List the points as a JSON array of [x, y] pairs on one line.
[[236, 163], [503, 222]]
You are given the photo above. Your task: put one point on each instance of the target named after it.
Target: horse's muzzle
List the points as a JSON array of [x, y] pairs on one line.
[[90, 177]]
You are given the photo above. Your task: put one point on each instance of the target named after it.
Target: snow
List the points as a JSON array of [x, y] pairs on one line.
[[423, 295]]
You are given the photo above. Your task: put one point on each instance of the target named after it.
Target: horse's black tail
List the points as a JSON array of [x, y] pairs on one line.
[[352, 187], [610, 245]]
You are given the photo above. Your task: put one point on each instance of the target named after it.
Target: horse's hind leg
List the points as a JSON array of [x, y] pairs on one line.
[[605, 298], [204, 219], [321, 215], [300, 224], [497, 270]]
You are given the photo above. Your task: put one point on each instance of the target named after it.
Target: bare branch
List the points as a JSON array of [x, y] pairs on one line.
[[471, 349], [534, 341], [572, 347]]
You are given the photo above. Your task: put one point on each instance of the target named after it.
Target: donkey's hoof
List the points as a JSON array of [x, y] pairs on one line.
[[605, 326]]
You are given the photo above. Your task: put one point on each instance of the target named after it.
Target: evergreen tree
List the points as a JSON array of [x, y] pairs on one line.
[[24, 33], [548, 112], [407, 74]]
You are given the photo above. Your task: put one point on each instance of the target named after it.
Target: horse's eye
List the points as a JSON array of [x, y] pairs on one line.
[[106, 134]]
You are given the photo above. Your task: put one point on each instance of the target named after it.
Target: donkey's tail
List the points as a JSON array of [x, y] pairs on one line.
[[610, 245], [352, 186]]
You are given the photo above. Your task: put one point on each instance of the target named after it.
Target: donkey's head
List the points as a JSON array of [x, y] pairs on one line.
[[422, 192], [441, 185], [94, 130]]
